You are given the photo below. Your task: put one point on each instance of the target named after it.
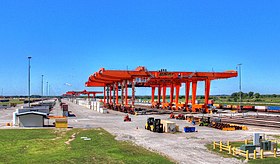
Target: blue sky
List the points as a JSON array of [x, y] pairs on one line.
[[68, 40]]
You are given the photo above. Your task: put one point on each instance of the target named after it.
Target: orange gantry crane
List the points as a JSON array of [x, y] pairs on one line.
[[113, 80], [84, 92]]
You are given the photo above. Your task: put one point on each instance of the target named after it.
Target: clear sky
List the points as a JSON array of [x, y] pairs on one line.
[[69, 40]]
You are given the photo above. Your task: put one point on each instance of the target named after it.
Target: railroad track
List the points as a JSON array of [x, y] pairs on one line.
[[270, 122]]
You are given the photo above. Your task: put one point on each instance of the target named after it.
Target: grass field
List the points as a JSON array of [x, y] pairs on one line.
[[17, 101], [251, 161], [48, 146]]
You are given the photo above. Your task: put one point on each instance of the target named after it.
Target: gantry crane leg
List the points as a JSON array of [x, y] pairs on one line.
[[117, 93], [153, 95], [187, 93], [207, 93], [164, 94], [194, 86], [171, 95], [177, 96]]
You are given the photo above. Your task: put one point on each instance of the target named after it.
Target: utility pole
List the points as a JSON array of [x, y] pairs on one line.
[[47, 89], [240, 89], [29, 58], [42, 91]]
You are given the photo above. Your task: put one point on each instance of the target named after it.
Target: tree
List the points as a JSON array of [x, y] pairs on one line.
[[257, 95], [251, 94], [234, 95]]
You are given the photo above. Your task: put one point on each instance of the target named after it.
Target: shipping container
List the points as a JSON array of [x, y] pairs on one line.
[[235, 106], [217, 106], [247, 107], [273, 107], [261, 107], [225, 106], [229, 106], [210, 101]]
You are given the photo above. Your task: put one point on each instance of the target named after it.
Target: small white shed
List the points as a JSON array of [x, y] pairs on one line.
[[31, 119]]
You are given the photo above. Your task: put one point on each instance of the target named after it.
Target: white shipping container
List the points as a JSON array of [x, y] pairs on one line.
[[261, 107], [103, 110], [98, 106], [95, 106]]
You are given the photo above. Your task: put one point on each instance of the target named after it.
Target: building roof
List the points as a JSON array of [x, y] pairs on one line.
[[33, 112]]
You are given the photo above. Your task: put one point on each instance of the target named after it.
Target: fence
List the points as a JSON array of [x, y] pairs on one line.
[[237, 152]]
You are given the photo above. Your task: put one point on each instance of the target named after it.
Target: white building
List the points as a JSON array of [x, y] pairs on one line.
[[31, 119]]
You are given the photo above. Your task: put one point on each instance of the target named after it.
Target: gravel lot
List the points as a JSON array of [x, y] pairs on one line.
[[180, 147]]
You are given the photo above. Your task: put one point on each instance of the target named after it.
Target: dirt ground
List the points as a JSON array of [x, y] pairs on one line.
[[180, 147]]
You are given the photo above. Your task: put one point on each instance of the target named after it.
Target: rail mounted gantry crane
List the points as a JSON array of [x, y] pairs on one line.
[[113, 80], [84, 92]]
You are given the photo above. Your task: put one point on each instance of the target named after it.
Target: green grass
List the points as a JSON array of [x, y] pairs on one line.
[[265, 161], [48, 146], [12, 101]]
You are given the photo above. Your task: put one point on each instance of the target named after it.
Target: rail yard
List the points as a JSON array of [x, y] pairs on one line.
[[180, 131]]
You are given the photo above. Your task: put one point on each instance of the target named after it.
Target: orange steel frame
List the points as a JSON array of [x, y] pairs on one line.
[[84, 92], [155, 79]]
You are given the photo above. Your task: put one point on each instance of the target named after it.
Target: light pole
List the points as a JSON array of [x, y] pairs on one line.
[[240, 91], [42, 91], [29, 58], [47, 88]]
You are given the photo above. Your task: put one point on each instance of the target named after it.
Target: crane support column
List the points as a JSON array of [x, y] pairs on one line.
[[117, 93], [177, 96], [171, 94], [126, 102], [108, 97], [159, 94], [114, 94], [207, 93], [187, 93], [122, 92], [104, 101], [110, 94], [194, 86], [133, 93], [153, 94], [164, 94]]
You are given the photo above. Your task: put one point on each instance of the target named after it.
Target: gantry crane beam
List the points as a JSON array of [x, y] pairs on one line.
[[84, 92], [95, 84]]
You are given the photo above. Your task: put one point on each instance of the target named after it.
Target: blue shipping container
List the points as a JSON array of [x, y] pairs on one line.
[[273, 107], [189, 129]]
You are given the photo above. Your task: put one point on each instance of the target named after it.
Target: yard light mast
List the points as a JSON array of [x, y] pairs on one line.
[[240, 89], [29, 58], [42, 91]]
